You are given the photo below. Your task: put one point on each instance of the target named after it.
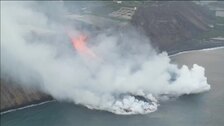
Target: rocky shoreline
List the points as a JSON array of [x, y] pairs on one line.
[[45, 98], [25, 105], [14, 96], [196, 47]]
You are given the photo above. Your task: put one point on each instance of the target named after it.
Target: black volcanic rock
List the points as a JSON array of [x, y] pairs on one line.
[[170, 23]]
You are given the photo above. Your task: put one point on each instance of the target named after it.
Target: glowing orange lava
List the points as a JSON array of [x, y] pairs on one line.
[[79, 43]]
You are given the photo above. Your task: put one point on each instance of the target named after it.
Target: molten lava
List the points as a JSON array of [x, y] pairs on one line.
[[79, 43]]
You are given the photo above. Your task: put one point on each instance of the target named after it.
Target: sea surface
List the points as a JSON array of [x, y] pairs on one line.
[[205, 109]]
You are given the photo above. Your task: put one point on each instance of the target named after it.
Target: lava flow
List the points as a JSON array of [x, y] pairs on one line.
[[79, 43]]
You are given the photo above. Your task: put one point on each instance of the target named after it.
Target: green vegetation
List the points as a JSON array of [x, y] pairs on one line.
[[216, 31], [109, 7]]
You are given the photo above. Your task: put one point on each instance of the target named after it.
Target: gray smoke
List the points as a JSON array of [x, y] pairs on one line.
[[127, 77]]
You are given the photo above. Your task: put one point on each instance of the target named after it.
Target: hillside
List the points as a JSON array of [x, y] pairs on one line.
[[170, 24], [14, 96]]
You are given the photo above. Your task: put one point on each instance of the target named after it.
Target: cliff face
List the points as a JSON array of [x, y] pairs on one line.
[[170, 23], [14, 96]]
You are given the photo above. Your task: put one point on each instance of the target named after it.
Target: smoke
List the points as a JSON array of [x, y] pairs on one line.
[[127, 77]]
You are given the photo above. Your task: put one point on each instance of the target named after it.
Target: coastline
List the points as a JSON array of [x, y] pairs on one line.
[[27, 105], [50, 99], [193, 50]]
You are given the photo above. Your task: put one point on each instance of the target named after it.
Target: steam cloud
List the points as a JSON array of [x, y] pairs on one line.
[[129, 77]]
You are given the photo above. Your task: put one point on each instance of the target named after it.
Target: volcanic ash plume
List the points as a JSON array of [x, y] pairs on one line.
[[114, 71]]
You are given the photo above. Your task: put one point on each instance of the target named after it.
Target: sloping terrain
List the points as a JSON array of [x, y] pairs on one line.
[[172, 23], [14, 96]]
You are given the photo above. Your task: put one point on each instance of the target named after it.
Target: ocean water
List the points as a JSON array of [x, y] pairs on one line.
[[205, 109]]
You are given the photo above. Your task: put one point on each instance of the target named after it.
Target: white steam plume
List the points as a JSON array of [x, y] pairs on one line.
[[129, 77]]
